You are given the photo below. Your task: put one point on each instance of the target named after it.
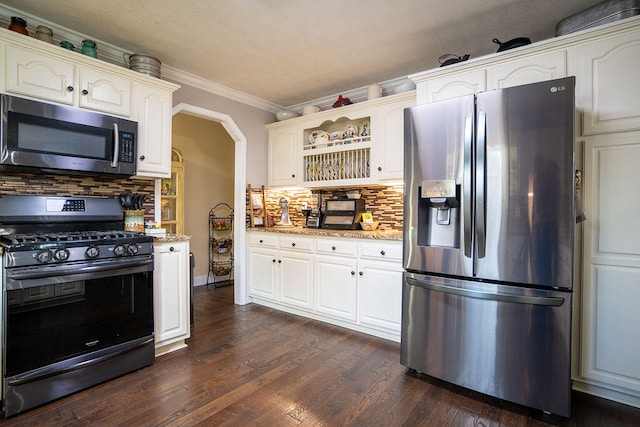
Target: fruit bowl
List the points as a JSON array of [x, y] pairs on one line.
[[369, 226]]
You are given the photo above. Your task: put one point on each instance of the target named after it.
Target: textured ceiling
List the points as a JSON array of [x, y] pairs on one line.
[[287, 52]]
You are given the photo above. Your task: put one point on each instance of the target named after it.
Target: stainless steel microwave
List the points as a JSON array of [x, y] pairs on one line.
[[55, 138]]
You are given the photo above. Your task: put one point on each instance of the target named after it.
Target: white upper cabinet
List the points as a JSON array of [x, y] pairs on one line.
[[451, 86], [359, 144], [104, 92], [532, 69], [34, 74], [609, 69], [34, 69], [154, 133], [282, 152]]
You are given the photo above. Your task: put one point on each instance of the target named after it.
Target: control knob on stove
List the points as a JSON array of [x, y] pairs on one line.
[[132, 249], [92, 252], [119, 250], [44, 256], [61, 254]]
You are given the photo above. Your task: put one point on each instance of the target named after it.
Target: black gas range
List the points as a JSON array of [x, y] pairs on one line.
[[78, 296]]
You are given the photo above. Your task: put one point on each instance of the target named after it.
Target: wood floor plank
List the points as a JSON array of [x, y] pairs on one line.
[[255, 366]]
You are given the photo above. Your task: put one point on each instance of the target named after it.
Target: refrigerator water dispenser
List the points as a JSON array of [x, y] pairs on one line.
[[439, 213]]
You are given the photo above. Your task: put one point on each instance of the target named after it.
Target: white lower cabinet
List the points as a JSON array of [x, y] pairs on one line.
[[171, 295], [355, 283], [335, 286], [296, 278]]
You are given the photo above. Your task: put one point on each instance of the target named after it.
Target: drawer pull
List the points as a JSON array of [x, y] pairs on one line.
[[382, 253], [293, 244], [171, 249], [260, 240], [333, 248], [353, 273], [279, 261]]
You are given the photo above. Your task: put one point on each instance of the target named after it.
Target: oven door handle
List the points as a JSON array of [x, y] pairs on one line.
[[68, 273]]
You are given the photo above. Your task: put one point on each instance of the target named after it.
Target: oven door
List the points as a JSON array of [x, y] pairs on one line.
[[57, 315]]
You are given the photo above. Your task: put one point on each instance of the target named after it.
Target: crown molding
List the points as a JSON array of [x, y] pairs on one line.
[[183, 77]]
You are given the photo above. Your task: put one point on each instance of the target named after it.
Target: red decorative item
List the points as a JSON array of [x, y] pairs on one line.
[[341, 102], [19, 25]]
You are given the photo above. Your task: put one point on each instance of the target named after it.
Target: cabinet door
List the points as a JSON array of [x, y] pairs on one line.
[[38, 75], [451, 86], [283, 156], [610, 342], [171, 292], [390, 140], [609, 83], [262, 273], [154, 133], [104, 92], [532, 69], [296, 278], [380, 294], [335, 287]]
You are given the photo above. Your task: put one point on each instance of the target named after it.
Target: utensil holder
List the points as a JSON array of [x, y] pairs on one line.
[[134, 220]]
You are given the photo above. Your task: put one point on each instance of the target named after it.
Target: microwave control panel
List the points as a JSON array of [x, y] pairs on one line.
[[127, 147]]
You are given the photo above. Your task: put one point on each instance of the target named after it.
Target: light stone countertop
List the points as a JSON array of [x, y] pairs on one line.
[[353, 234], [172, 238]]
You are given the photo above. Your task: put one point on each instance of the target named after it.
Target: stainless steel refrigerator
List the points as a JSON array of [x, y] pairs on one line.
[[488, 242]]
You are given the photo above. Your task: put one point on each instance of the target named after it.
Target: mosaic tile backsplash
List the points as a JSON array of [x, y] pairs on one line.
[[385, 203], [71, 185]]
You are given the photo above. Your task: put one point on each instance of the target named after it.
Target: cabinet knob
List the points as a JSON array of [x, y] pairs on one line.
[[260, 240], [69, 88], [85, 92], [279, 261], [293, 175], [382, 253], [379, 168], [142, 157], [360, 273], [353, 273], [293, 244], [333, 248], [274, 260], [172, 249]]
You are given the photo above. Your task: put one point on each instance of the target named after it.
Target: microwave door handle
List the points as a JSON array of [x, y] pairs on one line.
[[116, 146]]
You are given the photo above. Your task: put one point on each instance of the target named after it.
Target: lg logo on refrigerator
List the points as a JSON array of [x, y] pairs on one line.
[[555, 89]]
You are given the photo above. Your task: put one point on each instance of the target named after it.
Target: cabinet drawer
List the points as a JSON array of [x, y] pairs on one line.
[[263, 240], [296, 243], [337, 247], [381, 250]]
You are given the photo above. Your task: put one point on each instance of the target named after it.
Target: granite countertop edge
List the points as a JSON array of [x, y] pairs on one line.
[[353, 234], [172, 238]]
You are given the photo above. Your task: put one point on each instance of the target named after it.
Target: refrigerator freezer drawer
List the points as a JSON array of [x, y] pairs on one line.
[[509, 342]]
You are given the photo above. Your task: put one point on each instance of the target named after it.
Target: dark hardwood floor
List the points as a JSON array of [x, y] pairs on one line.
[[250, 365]]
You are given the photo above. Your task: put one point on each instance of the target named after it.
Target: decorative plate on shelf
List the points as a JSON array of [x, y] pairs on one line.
[[364, 129], [322, 137], [312, 136], [351, 131]]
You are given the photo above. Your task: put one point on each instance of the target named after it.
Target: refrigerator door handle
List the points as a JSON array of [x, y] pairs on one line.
[[494, 296], [466, 184], [481, 174]]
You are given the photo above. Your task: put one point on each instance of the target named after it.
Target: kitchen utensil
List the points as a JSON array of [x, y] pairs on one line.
[[144, 64], [341, 102], [452, 59], [128, 201], [513, 43]]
